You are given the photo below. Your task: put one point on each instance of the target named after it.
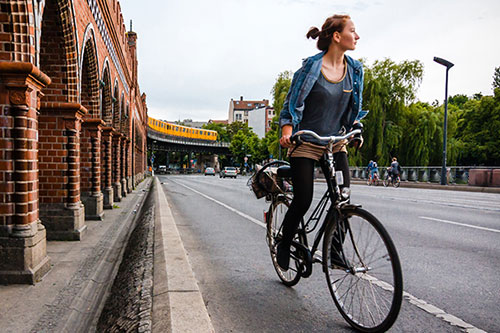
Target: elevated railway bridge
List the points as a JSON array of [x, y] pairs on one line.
[[203, 153]]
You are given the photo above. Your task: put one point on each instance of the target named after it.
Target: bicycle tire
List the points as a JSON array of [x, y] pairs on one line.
[[387, 181], [291, 276], [396, 182], [377, 283]]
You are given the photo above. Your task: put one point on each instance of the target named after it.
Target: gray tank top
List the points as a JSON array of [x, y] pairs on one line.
[[325, 107]]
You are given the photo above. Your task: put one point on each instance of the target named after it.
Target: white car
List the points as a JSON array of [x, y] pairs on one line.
[[228, 172]]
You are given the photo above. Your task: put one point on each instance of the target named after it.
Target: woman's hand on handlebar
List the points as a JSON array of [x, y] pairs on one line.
[[285, 136]]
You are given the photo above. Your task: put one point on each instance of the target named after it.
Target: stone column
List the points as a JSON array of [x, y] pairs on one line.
[[61, 210], [23, 254], [107, 138], [91, 166], [117, 185], [123, 143]]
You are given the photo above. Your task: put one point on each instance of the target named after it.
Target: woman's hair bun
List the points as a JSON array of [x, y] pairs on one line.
[[313, 33]]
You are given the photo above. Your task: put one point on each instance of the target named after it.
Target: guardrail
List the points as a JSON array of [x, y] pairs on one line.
[[432, 174]]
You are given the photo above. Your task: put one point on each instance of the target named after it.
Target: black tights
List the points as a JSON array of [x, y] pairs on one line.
[[303, 180]]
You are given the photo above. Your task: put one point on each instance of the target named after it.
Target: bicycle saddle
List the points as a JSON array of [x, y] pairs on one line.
[[285, 171]]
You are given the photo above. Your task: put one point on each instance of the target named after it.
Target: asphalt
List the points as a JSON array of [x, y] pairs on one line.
[[72, 296]]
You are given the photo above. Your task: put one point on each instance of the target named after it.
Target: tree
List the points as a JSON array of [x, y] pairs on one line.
[[222, 134], [477, 131], [280, 89], [388, 88], [496, 78], [235, 127], [279, 92]]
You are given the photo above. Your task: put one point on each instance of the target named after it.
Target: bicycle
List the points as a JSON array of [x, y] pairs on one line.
[[373, 180], [358, 257], [388, 180]]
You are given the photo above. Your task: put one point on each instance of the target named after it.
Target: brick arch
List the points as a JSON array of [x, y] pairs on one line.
[[89, 84], [58, 51], [106, 99], [16, 25], [116, 105]]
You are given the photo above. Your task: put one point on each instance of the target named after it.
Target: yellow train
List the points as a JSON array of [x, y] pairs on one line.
[[175, 130]]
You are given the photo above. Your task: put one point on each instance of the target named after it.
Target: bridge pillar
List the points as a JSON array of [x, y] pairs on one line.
[[117, 185], [91, 169], [123, 173], [107, 140], [23, 254], [61, 210]]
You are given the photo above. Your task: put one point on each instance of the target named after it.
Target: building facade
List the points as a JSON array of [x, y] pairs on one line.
[[239, 109], [73, 124]]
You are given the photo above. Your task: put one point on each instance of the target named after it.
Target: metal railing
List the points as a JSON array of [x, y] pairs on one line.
[[432, 174]]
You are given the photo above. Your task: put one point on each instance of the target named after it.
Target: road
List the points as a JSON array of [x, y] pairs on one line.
[[448, 242]]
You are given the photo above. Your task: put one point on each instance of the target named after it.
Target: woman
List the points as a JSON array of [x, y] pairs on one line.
[[325, 97]]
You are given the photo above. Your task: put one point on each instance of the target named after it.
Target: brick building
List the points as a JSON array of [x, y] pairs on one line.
[[72, 122]]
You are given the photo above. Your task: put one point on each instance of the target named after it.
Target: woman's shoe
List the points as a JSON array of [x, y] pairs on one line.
[[283, 255]]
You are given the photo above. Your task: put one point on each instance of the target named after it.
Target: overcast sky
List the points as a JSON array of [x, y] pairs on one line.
[[195, 55]]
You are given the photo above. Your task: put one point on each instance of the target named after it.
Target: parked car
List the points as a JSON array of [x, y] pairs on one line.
[[162, 169], [228, 172], [209, 172]]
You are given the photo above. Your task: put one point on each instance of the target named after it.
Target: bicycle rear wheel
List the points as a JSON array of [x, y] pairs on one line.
[[291, 276], [396, 182], [363, 271]]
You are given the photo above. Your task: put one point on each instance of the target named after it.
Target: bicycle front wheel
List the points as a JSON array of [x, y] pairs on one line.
[[291, 276], [363, 271]]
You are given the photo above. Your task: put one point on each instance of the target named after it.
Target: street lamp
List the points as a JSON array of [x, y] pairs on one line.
[[448, 65]]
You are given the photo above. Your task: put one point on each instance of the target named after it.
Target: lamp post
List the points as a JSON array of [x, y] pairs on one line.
[[448, 65]]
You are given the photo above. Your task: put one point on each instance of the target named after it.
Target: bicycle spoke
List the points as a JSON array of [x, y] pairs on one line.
[[365, 293]]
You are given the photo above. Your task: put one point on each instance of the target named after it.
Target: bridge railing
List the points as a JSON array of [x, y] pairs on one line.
[[432, 174], [185, 141]]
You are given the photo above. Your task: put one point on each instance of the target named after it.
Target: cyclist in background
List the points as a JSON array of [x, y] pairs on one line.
[[325, 97], [372, 169], [395, 168]]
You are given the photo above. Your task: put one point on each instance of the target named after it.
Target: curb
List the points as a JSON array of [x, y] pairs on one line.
[[177, 301], [78, 305], [430, 186]]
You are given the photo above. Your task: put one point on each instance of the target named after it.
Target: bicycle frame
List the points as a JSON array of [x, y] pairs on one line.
[[331, 195]]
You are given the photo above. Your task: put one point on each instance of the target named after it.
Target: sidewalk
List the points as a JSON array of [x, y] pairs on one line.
[[70, 297], [435, 186]]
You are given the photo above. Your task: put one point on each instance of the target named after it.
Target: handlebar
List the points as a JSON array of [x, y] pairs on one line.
[[330, 139]]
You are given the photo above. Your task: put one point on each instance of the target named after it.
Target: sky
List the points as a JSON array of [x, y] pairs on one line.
[[195, 55]]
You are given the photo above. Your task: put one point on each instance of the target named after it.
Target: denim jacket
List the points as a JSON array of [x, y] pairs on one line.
[[303, 81]]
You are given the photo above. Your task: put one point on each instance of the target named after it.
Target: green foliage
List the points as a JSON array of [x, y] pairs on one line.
[[496, 78], [280, 89], [222, 134], [388, 88], [477, 131]]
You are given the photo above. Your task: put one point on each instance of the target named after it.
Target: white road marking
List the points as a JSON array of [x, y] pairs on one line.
[[437, 312], [460, 224], [248, 217]]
